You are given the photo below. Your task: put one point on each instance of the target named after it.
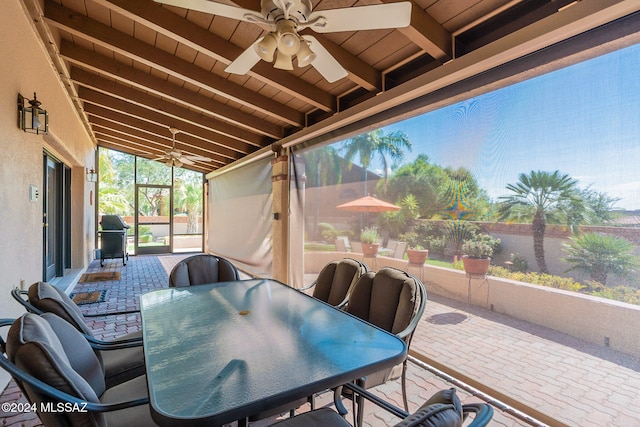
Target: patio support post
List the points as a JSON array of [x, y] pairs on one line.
[[280, 216]]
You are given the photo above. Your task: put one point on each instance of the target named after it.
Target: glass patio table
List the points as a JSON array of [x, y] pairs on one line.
[[222, 352]]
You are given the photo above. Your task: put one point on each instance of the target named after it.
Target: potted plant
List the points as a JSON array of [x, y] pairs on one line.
[[416, 253], [477, 257], [370, 241]]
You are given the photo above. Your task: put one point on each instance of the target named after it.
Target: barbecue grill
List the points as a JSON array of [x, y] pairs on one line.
[[113, 239]]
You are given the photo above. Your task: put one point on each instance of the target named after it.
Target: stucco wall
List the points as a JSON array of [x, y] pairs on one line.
[[25, 67]]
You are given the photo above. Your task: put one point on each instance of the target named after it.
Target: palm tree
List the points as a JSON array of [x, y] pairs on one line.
[[600, 255], [323, 166], [541, 197], [189, 199], [368, 146]]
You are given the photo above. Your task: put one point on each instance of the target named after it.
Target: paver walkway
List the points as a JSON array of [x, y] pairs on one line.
[[575, 382]]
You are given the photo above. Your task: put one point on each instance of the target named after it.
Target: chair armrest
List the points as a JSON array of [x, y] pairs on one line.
[[306, 288], [61, 396], [21, 296], [483, 411], [387, 406], [113, 345], [57, 395], [111, 313]]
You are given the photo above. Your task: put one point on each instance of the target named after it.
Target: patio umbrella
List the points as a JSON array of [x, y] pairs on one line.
[[368, 204]]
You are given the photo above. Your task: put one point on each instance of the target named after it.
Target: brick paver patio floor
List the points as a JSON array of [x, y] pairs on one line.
[[574, 382]]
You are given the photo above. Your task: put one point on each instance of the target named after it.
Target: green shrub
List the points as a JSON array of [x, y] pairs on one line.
[[518, 263], [477, 249], [369, 235], [327, 232]]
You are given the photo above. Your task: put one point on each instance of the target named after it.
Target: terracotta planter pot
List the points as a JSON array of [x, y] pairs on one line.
[[370, 249], [476, 266], [417, 256]]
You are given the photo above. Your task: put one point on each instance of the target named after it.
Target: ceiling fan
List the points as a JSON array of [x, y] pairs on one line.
[[175, 157], [284, 18]]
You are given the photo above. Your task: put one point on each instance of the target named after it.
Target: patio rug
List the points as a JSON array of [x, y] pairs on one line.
[[88, 297], [99, 277]]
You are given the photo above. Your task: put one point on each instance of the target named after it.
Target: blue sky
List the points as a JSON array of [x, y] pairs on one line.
[[583, 120]]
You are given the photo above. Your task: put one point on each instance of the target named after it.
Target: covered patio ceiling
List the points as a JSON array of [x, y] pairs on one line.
[[134, 69]]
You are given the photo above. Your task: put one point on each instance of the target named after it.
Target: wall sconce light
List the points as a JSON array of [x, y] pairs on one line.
[[92, 176], [32, 118]]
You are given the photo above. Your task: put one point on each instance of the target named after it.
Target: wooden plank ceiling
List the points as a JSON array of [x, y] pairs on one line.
[[137, 68]]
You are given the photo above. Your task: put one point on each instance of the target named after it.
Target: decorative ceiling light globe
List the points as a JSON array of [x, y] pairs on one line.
[[267, 47], [288, 41], [283, 61], [305, 54]]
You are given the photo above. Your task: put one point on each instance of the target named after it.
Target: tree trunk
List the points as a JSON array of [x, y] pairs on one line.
[[539, 227], [599, 275]]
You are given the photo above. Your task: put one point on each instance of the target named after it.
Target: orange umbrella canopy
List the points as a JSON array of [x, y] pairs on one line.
[[368, 204]]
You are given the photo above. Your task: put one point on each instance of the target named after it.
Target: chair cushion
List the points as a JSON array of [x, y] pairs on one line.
[[388, 299], [82, 358], [33, 346], [50, 299], [443, 409], [201, 269], [140, 416], [123, 364], [323, 417], [336, 280]]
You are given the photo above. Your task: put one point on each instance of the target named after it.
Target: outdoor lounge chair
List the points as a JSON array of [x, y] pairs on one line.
[[53, 365], [201, 269], [336, 279], [123, 363], [443, 409], [394, 301]]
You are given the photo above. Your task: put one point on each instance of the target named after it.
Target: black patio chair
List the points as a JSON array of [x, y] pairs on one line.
[[201, 269], [443, 409], [335, 281], [52, 364], [394, 301], [123, 358]]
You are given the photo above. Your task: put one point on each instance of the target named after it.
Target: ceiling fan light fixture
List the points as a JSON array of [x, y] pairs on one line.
[[288, 39], [267, 47], [283, 61], [305, 55]]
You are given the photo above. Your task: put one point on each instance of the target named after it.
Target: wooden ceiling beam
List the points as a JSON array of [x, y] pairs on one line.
[[154, 149], [99, 104], [114, 144], [427, 33], [160, 87], [129, 94], [162, 20], [109, 38], [159, 117], [160, 143]]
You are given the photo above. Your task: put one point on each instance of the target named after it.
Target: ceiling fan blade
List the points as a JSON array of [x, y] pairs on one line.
[[185, 160], [373, 17], [197, 158], [214, 8], [324, 63], [247, 59]]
